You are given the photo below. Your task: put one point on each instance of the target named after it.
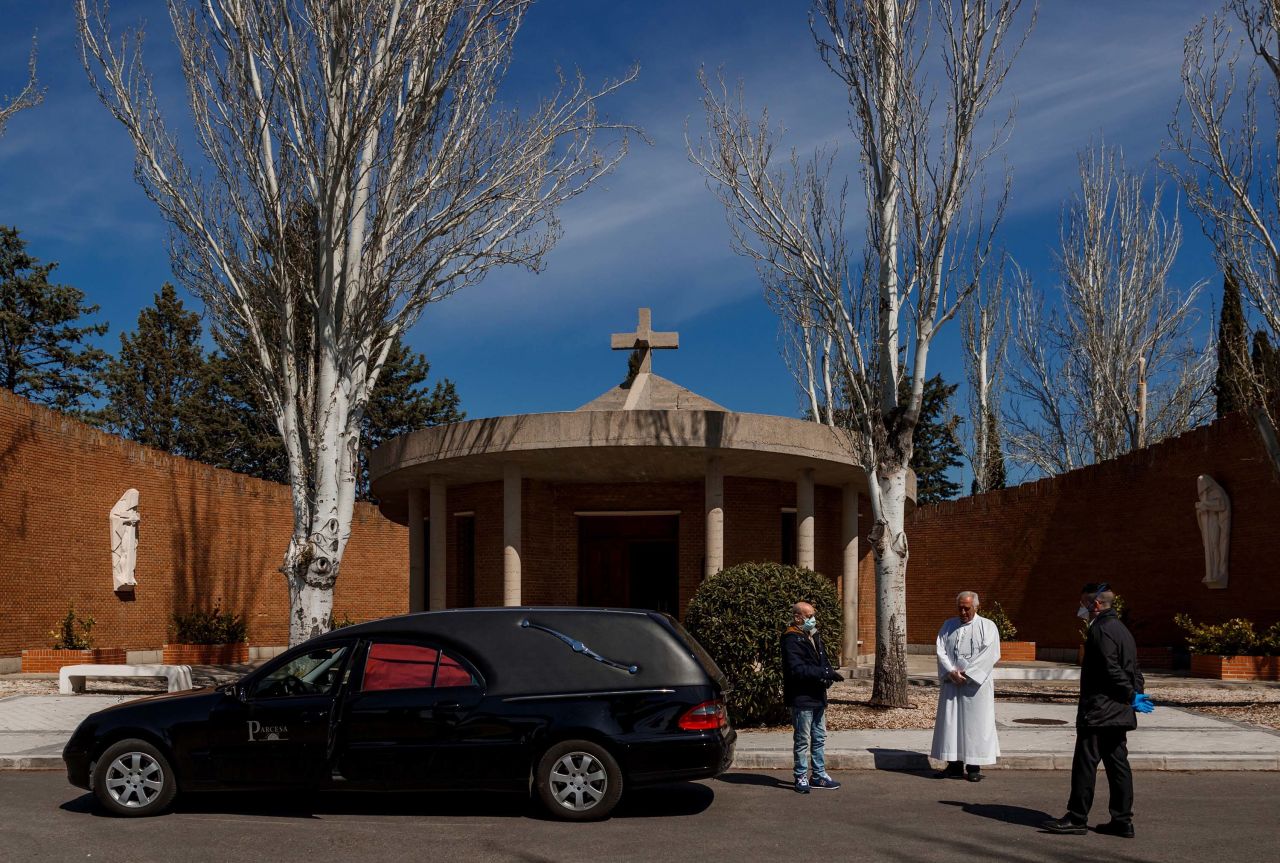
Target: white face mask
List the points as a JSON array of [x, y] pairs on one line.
[[1083, 613]]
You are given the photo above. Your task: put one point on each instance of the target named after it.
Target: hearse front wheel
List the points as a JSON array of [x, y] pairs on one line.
[[133, 778], [578, 781]]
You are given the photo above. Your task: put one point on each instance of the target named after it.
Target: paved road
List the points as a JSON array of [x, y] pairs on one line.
[[741, 817]]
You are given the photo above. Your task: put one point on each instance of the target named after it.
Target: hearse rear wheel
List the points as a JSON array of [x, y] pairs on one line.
[[134, 779], [578, 781]]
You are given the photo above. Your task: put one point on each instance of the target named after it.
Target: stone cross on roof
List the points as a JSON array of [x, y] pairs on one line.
[[644, 341]]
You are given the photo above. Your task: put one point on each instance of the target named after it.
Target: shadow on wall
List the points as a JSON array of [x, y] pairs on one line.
[[206, 570], [10, 457]]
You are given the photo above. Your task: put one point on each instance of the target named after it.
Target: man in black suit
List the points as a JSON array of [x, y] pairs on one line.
[[1110, 693]]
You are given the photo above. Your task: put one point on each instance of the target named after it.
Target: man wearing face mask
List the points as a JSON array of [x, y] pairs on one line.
[[806, 674], [1110, 693], [964, 732]]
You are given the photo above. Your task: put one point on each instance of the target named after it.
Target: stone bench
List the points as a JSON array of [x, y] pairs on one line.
[[71, 677]]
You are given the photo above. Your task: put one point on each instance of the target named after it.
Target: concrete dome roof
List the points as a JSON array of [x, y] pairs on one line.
[[610, 446]]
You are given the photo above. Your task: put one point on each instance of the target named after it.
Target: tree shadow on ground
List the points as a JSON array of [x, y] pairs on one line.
[[1017, 815], [902, 761], [659, 801]]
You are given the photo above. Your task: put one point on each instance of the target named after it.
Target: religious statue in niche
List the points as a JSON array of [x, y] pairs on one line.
[[1213, 511], [124, 540]]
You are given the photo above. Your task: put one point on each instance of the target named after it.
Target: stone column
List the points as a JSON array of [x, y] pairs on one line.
[[715, 516], [511, 509], [435, 575], [849, 577], [804, 519], [417, 550]]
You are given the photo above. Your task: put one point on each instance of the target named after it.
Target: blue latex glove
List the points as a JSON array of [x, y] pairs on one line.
[[1142, 703]]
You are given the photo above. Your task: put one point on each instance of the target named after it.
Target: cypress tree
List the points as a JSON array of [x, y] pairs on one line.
[[1231, 385], [1266, 366]]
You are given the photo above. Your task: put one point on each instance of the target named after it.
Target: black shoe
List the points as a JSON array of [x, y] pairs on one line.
[[974, 776], [1064, 825], [953, 770], [1116, 828]]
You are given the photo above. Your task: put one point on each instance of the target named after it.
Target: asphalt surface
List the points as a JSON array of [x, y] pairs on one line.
[[743, 816]]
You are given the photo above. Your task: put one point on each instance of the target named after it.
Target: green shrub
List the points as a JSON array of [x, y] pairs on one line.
[[1008, 632], [209, 627], [73, 633], [336, 622], [1236, 637], [739, 615]]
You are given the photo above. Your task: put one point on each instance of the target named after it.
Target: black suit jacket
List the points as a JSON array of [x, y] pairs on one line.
[[1109, 675]]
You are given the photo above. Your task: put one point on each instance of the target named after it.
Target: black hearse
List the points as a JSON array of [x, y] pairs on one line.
[[576, 704]]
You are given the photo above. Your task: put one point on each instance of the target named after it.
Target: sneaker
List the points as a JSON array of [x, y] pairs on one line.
[[824, 782], [802, 784], [1064, 825], [1116, 828]]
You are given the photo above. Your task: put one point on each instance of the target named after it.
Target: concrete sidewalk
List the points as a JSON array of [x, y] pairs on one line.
[[34, 728]]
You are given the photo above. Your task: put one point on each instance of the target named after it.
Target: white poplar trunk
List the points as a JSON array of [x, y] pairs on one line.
[[889, 545]]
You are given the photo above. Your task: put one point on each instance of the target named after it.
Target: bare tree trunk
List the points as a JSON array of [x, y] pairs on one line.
[[916, 181], [888, 541]]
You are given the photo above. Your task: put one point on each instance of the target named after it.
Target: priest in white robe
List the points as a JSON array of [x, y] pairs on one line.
[[964, 732]]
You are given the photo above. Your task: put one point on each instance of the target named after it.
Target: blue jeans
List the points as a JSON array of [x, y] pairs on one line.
[[809, 738]]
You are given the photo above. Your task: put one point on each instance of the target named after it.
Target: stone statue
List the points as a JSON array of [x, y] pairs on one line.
[[124, 540], [1213, 511]]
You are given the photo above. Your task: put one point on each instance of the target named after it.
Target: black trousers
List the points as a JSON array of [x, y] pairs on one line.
[[1110, 746]]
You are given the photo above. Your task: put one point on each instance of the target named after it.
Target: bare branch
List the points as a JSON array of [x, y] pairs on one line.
[[1117, 328], [30, 95], [355, 166]]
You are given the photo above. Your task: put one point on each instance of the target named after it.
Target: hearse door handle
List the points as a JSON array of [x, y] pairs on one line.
[[447, 709]]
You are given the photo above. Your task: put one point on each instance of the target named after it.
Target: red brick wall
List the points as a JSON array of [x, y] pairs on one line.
[[1130, 521], [206, 534]]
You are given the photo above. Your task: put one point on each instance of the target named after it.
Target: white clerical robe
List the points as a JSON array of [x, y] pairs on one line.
[[965, 728]]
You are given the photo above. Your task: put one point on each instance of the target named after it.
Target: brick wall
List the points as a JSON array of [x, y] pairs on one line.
[[206, 534], [1130, 521]]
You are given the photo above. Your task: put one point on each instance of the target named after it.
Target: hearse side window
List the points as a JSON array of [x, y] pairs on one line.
[[411, 666], [316, 672]]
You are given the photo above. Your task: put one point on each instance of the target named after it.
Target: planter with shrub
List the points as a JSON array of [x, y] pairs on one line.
[[1232, 650], [739, 615], [207, 638], [72, 644], [1011, 650]]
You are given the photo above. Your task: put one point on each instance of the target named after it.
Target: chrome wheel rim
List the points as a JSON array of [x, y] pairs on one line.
[[578, 781], [134, 780]]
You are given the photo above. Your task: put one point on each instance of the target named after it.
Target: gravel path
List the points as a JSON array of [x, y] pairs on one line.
[[849, 708]]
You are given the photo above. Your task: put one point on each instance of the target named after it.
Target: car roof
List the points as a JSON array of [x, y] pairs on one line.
[[527, 651]]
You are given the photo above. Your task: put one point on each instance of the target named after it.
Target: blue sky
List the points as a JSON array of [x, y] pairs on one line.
[[651, 234]]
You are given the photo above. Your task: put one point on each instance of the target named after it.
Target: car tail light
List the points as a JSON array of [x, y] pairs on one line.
[[707, 716]]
